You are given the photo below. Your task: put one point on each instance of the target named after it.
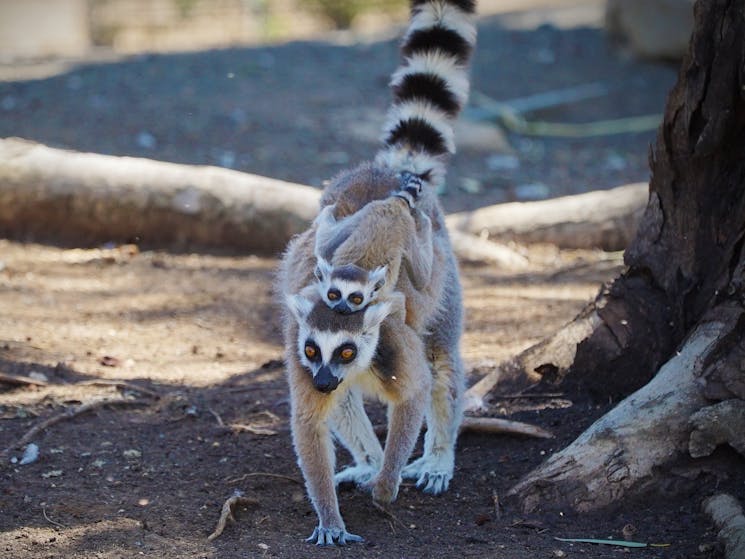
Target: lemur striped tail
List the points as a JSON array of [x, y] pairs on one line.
[[430, 88]]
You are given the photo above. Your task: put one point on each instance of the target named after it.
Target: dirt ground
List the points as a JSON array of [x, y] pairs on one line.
[[188, 345]]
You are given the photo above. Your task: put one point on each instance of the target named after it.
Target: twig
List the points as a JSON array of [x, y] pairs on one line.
[[227, 512], [21, 380], [44, 512], [252, 429], [528, 395], [496, 426], [392, 517], [69, 414], [120, 384], [497, 505], [256, 429], [220, 422], [263, 474]]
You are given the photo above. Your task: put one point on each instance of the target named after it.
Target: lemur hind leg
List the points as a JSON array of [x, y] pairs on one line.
[[352, 426], [434, 470]]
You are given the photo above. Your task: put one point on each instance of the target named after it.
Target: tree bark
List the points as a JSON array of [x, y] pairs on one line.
[[684, 288], [688, 252]]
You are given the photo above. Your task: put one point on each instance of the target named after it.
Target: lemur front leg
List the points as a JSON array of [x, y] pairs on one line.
[[352, 425], [407, 388], [314, 446]]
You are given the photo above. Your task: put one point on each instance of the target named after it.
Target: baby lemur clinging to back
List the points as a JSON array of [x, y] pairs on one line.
[[402, 348], [358, 261]]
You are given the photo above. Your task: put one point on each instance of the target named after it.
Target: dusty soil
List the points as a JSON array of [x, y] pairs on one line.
[[191, 341]]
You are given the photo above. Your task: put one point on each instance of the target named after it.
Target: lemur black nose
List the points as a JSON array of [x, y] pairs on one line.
[[325, 381], [343, 308]]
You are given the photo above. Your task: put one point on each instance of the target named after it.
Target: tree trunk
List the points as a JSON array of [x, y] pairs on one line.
[[686, 268]]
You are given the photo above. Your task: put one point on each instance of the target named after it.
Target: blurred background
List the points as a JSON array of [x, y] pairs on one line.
[[566, 94]]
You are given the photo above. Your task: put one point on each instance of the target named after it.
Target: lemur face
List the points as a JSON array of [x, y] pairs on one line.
[[349, 288], [333, 346]]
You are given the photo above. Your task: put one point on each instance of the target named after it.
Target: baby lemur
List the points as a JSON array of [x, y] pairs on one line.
[[403, 345], [357, 258]]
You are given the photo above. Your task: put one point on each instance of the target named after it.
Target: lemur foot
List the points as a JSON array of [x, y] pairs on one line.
[[333, 536], [360, 475], [432, 474]]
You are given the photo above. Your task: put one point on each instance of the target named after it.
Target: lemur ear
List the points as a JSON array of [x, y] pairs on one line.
[[375, 314], [323, 268], [299, 306], [377, 276]]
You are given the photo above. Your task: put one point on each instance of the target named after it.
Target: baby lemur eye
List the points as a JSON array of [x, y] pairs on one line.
[[310, 351], [347, 353], [356, 298], [334, 294]]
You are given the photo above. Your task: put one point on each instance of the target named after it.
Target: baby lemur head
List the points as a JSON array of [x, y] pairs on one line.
[[348, 288], [334, 346]]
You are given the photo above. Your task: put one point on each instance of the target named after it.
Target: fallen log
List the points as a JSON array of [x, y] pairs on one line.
[[68, 197], [605, 219], [84, 198]]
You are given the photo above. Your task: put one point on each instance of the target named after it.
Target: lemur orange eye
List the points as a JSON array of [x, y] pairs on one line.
[[347, 354], [310, 351], [333, 295], [356, 299]]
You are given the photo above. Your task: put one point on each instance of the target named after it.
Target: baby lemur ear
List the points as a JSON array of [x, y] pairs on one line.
[[299, 306], [323, 268], [377, 277], [376, 313]]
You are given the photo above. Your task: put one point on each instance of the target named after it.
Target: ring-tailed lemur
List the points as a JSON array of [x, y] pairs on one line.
[[402, 348]]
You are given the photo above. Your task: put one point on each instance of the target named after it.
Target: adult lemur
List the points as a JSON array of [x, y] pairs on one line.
[[403, 347]]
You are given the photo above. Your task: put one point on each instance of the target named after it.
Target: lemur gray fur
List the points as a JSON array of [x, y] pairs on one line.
[[402, 348]]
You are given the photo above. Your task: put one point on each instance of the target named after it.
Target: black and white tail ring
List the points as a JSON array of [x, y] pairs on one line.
[[429, 88]]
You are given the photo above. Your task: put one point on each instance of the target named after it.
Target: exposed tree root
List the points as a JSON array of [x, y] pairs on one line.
[[623, 447], [69, 414], [556, 353], [237, 500], [717, 424], [728, 517]]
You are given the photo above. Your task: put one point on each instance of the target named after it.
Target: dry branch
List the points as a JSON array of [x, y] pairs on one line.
[[496, 426], [226, 514], [493, 426], [728, 517], [606, 219], [69, 414], [20, 380]]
